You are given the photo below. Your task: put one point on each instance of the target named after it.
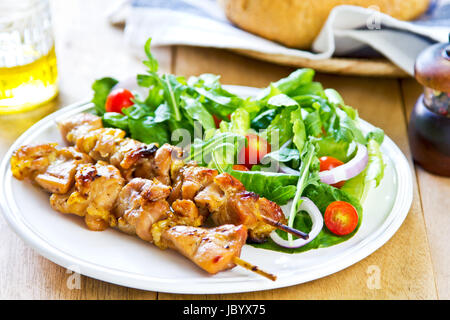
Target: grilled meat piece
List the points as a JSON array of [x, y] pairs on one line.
[[140, 204], [78, 125], [167, 162], [229, 203], [30, 160], [51, 168], [187, 213], [93, 196], [213, 249], [133, 158]]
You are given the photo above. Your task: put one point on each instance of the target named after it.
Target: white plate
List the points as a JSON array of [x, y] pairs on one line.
[[125, 260]]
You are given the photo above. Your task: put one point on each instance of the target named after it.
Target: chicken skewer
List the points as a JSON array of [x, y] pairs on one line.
[[98, 193], [204, 186]]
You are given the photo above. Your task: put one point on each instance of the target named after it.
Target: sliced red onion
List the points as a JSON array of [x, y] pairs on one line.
[[347, 170], [317, 221]]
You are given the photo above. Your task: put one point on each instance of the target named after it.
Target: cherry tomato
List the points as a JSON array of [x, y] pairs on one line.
[[255, 150], [341, 218], [240, 167], [328, 163], [118, 99]]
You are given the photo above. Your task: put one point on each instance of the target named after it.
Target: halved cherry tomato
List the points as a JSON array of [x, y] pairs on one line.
[[240, 167], [118, 99], [341, 218], [328, 163], [255, 150]]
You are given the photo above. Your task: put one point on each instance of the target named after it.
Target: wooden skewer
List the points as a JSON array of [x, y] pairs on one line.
[[253, 268], [285, 228]]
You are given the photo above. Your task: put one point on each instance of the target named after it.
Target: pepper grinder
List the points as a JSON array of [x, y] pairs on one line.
[[429, 125]]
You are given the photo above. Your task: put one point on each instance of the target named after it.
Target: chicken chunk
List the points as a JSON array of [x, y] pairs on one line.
[[229, 203], [167, 159], [60, 174], [51, 168], [186, 213], [140, 204], [78, 125], [213, 249], [93, 196], [30, 160], [191, 180]]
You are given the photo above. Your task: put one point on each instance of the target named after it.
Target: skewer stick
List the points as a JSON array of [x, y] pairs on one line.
[[253, 268], [285, 228]]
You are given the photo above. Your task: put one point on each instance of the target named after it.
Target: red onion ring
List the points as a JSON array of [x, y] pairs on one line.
[[317, 220], [348, 170], [344, 172]]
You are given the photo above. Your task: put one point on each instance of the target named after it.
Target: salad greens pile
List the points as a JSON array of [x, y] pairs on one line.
[[300, 119]]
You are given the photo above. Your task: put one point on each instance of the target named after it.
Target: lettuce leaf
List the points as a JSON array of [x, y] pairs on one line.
[[359, 186], [277, 187]]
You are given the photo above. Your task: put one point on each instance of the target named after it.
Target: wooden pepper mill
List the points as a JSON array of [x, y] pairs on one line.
[[429, 125]]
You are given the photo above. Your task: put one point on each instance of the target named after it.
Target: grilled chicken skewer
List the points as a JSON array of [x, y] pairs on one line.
[[222, 197], [98, 193]]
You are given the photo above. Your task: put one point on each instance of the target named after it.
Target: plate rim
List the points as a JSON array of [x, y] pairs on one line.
[[401, 207]]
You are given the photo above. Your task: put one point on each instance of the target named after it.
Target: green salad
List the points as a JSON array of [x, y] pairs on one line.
[[294, 143]]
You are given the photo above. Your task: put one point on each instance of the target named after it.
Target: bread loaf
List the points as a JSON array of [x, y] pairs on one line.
[[296, 23]]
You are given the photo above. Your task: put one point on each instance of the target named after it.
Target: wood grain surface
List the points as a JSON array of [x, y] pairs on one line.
[[412, 265]]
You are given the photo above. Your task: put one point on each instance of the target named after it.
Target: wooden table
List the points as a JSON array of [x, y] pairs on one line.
[[414, 264]]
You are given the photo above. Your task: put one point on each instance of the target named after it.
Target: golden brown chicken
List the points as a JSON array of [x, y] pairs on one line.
[[133, 158], [213, 249], [51, 168], [140, 204], [93, 196], [229, 202]]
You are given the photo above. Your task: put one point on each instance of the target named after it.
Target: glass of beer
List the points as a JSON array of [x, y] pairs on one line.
[[28, 73]]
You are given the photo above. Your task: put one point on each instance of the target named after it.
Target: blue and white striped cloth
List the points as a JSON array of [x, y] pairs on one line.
[[349, 31]]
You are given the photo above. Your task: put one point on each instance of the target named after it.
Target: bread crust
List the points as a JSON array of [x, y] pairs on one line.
[[296, 23]]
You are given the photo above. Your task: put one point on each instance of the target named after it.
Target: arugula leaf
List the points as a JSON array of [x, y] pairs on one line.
[[263, 120], [151, 63], [306, 177], [172, 93], [198, 112], [148, 131], [201, 150], [284, 154], [115, 120], [137, 110], [101, 88]]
